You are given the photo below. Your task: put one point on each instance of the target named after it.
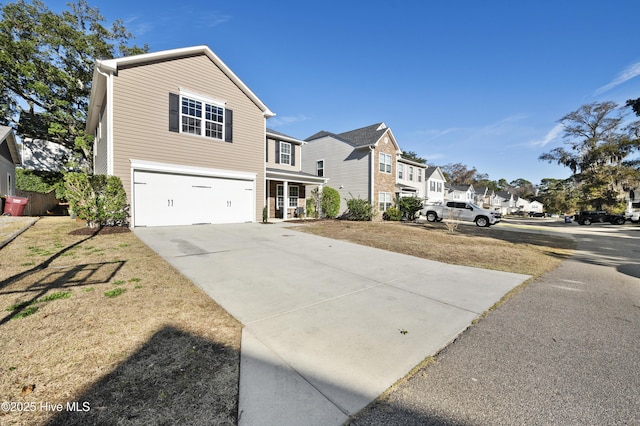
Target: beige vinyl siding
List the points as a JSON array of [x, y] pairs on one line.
[[343, 165], [100, 165], [271, 156], [141, 121]]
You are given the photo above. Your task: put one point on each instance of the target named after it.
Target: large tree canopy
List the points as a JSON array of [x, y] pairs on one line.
[[601, 145], [46, 66]]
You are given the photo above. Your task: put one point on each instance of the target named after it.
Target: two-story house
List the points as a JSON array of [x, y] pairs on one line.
[[287, 185], [435, 190], [360, 163], [185, 135], [411, 178], [460, 193]]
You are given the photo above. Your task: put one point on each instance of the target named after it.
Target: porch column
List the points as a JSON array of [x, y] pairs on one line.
[[285, 203]]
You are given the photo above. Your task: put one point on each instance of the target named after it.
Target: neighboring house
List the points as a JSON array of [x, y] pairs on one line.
[[360, 163], [43, 155], [507, 202], [9, 159], [185, 135], [536, 207], [285, 176], [482, 196], [411, 178], [460, 193], [435, 191], [522, 205]]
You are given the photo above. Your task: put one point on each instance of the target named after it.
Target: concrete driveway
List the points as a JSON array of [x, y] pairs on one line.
[[329, 325]]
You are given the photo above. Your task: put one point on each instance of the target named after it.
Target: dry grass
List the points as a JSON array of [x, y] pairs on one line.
[[493, 248], [160, 352]]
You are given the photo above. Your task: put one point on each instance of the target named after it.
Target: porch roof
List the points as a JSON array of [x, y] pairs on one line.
[[293, 176]]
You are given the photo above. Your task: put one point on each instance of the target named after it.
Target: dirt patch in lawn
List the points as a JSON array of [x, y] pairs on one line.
[[103, 326], [489, 248]]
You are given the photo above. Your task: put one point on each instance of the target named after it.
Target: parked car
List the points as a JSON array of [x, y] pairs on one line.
[[633, 213], [536, 214], [598, 216], [467, 212]]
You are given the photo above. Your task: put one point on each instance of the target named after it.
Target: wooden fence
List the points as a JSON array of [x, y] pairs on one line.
[[39, 204]]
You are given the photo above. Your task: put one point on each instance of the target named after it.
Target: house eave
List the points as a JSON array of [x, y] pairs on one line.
[[111, 66], [284, 175], [10, 137], [285, 138]]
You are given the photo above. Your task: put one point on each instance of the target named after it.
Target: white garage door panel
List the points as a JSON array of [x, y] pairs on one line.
[[162, 199]]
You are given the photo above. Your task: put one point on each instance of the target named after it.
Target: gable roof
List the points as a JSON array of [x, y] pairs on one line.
[[365, 136], [6, 134], [431, 170], [359, 138], [282, 137], [106, 67]]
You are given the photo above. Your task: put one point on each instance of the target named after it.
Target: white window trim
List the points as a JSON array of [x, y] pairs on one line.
[[291, 204], [318, 168], [387, 204], [281, 153], [292, 198], [204, 101], [400, 171], [385, 160], [410, 173]]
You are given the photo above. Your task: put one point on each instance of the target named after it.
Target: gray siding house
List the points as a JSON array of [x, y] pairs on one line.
[[360, 163]]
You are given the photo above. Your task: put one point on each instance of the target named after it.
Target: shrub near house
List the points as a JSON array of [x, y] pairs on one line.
[[98, 199]]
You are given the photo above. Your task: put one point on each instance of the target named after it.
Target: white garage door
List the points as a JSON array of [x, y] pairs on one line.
[[164, 199]]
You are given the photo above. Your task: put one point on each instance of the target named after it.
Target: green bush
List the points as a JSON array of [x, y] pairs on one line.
[[41, 181], [409, 206], [392, 213], [98, 199], [359, 209], [330, 202]]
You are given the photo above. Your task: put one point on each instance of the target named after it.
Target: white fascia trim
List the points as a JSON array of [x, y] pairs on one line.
[[291, 177], [278, 137], [152, 166], [113, 64], [109, 112]]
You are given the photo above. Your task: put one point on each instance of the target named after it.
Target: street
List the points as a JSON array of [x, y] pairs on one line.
[[564, 350]]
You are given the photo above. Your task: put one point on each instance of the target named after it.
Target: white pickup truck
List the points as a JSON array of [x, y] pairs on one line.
[[464, 211]]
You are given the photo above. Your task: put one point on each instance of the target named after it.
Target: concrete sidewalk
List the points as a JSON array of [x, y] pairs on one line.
[[329, 325]]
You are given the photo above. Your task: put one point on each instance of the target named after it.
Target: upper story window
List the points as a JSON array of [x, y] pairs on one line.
[[385, 162], [400, 171], [285, 153], [410, 173], [198, 116], [320, 168], [419, 175], [201, 118]]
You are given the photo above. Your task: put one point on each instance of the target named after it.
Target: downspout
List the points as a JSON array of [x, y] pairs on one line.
[[109, 112]]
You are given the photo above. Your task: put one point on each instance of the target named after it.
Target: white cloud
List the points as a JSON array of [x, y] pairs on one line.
[[214, 19], [628, 73], [285, 120], [550, 136]]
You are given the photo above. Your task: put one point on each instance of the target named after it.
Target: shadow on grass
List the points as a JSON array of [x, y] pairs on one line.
[[174, 378], [58, 279], [61, 279]]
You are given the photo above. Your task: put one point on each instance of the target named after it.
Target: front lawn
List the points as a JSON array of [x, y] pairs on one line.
[[489, 248], [104, 322]]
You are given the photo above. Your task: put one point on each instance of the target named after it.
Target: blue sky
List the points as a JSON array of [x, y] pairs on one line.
[[482, 83]]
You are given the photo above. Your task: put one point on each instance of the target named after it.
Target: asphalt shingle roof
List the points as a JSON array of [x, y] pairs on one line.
[[364, 136]]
